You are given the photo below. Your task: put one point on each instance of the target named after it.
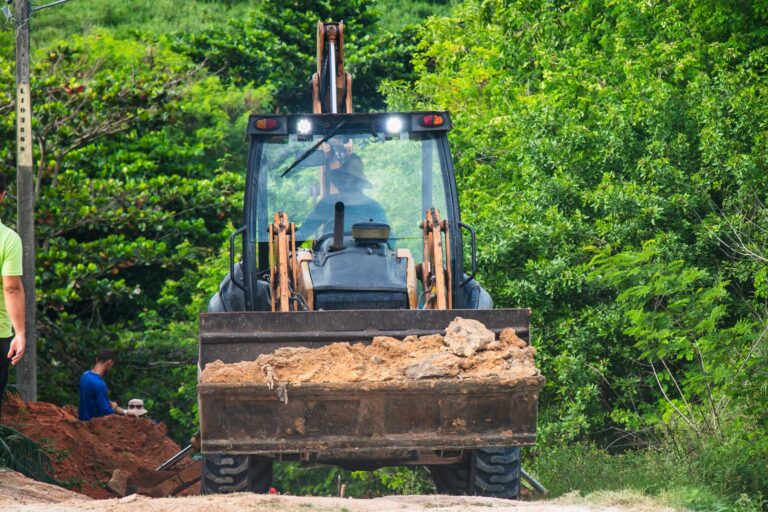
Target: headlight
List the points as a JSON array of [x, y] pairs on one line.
[[394, 125], [304, 126]]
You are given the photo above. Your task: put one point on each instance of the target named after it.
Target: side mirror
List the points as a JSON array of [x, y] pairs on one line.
[[473, 242]]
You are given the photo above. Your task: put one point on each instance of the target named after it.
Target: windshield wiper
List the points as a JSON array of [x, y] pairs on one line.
[[311, 150]]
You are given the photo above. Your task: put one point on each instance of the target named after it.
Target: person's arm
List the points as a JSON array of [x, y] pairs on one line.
[[13, 292], [103, 404], [117, 409]]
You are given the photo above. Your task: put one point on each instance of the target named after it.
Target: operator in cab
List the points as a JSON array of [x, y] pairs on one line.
[[349, 181]]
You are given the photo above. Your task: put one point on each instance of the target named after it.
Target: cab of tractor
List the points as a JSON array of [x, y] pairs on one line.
[[369, 206]]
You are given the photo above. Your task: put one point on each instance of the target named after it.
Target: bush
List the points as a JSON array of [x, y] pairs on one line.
[[706, 474], [20, 453]]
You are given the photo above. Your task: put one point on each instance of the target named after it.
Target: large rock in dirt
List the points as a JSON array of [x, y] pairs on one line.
[[435, 366], [465, 337], [509, 337], [119, 482]]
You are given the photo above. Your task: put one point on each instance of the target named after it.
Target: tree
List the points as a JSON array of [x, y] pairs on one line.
[[606, 129], [276, 48], [139, 158]]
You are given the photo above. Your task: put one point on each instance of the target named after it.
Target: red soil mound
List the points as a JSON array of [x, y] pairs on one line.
[[85, 453]]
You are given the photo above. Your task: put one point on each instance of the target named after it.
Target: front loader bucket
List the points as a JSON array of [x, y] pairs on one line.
[[235, 337], [346, 418]]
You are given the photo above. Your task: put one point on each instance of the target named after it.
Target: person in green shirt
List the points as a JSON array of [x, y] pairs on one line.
[[13, 340]]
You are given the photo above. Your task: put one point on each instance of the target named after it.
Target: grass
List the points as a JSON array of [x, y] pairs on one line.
[[627, 499], [171, 16], [48, 444], [151, 16], [410, 12], [583, 472], [73, 484]]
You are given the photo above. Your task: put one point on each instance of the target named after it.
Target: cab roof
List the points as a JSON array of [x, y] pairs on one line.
[[320, 124]]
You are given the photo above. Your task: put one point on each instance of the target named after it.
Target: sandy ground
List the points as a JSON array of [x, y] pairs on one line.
[[18, 493]]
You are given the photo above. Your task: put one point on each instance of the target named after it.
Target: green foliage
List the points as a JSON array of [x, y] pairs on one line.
[[318, 480], [139, 173], [399, 480], [677, 316], [659, 472], [125, 18], [275, 47], [19, 453], [587, 469], [396, 16], [618, 152]]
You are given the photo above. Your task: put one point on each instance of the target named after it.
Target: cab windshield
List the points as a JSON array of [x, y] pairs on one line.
[[383, 180]]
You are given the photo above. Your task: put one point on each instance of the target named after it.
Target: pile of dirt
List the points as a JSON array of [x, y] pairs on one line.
[[86, 453], [467, 351]]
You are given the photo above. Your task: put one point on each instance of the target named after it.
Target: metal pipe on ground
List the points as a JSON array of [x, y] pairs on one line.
[[534, 483]]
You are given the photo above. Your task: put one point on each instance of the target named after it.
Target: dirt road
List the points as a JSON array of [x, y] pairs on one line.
[[18, 493]]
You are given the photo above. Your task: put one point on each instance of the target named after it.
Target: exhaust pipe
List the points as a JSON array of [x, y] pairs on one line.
[[338, 227]]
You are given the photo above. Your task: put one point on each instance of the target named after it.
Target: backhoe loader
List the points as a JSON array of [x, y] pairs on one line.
[[352, 230]]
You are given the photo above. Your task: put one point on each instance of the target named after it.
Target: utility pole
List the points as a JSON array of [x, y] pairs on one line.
[[26, 373]]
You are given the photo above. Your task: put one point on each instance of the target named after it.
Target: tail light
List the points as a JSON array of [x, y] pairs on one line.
[[431, 120], [266, 123]]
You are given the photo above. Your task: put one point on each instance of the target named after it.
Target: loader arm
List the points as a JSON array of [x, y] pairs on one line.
[[331, 85]]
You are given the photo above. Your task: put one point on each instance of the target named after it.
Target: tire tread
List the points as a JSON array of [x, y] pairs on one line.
[[497, 474], [235, 473]]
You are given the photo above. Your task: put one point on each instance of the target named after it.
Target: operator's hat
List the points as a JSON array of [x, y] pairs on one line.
[[353, 166], [136, 407]]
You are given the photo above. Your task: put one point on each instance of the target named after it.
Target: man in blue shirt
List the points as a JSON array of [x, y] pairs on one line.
[[93, 390]]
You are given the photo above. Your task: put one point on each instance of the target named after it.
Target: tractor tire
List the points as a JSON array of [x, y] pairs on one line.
[[497, 474], [236, 473]]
